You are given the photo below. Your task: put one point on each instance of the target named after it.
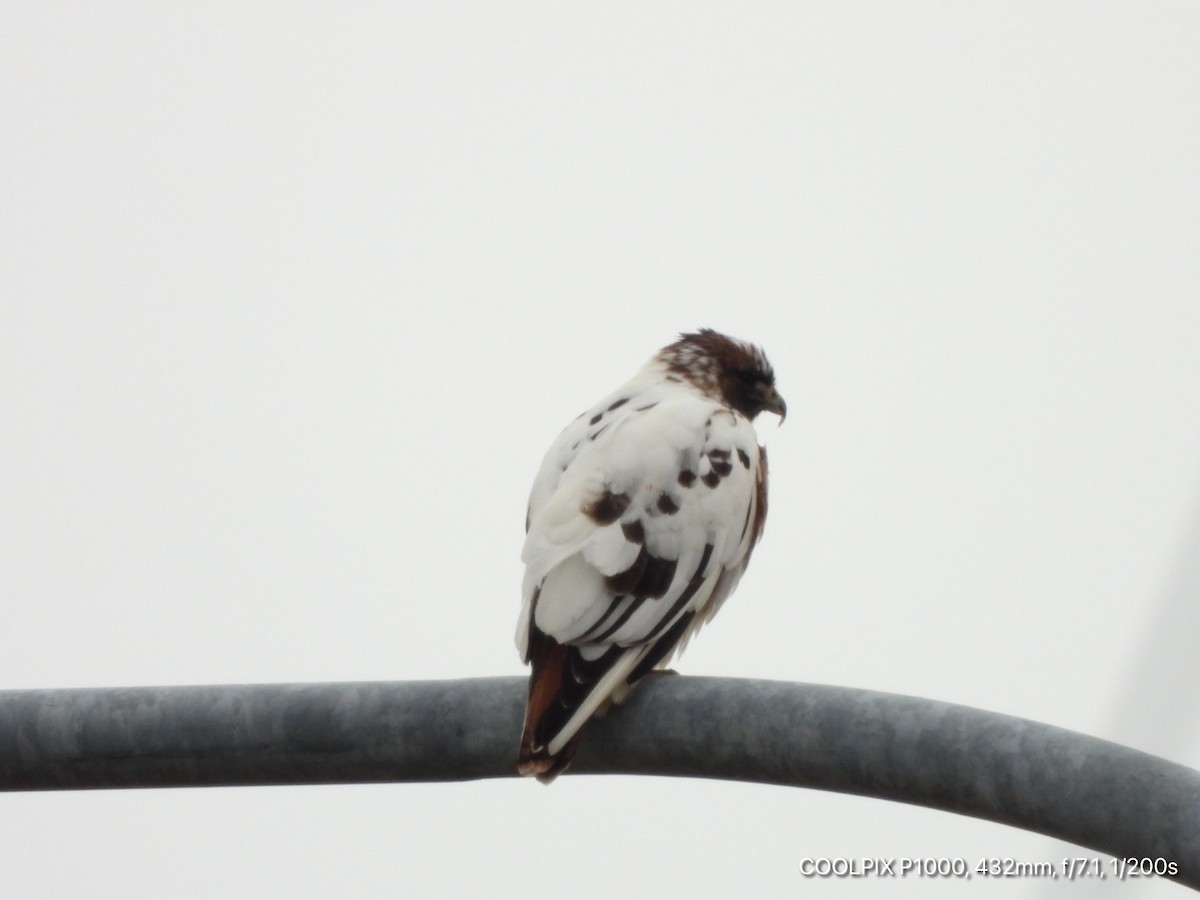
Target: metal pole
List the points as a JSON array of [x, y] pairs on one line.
[[1081, 789]]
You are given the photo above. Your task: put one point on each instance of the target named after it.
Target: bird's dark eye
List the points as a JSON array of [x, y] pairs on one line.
[[755, 382], [749, 376]]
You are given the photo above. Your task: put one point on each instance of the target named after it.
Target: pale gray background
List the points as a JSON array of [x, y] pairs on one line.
[[295, 296]]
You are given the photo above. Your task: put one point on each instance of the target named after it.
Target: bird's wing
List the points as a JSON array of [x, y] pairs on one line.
[[640, 523]]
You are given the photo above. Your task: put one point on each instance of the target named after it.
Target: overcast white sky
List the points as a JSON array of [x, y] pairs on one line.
[[294, 297]]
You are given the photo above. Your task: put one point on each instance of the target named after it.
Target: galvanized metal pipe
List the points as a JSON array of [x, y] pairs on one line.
[[1081, 789]]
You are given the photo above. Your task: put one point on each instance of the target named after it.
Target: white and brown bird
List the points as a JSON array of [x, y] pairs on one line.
[[641, 521]]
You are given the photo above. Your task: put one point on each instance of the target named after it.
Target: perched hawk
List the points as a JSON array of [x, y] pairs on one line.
[[640, 523]]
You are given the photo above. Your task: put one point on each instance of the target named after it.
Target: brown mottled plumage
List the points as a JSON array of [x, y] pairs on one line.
[[640, 523]]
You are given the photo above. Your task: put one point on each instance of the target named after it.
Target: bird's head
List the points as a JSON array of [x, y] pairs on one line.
[[732, 371]]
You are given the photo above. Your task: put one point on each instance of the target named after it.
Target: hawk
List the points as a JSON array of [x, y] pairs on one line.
[[640, 524]]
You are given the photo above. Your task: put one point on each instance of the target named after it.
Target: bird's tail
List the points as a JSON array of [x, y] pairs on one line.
[[567, 688], [545, 686]]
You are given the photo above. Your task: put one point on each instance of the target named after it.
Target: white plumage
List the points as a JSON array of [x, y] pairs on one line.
[[641, 521]]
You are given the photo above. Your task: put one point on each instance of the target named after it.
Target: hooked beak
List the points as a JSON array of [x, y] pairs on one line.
[[772, 402]]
